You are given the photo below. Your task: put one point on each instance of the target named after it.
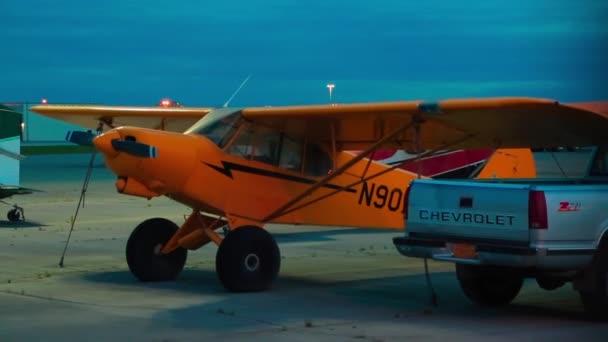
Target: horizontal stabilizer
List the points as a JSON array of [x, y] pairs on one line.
[[80, 137], [135, 148]]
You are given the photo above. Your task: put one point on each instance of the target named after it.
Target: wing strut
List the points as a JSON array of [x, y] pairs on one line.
[[282, 210], [333, 144], [418, 149], [369, 162]]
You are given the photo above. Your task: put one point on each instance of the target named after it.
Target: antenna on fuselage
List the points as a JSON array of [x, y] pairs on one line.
[[236, 91]]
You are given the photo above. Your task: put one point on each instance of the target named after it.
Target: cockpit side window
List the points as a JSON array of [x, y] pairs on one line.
[[291, 154], [257, 143], [242, 146], [316, 161]]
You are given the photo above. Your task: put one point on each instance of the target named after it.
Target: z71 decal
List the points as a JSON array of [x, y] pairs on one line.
[[569, 206]]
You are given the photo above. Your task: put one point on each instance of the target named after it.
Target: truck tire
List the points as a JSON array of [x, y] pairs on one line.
[[550, 283], [489, 285], [595, 299]]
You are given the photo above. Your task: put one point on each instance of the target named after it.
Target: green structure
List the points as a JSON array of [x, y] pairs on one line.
[[10, 123]]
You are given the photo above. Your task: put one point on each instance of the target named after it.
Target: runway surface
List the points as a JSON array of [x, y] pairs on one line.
[[336, 284]]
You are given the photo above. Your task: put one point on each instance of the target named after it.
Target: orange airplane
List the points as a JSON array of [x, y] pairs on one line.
[[240, 168]]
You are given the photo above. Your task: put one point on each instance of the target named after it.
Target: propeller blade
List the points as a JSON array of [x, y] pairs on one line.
[[80, 137], [135, 148]]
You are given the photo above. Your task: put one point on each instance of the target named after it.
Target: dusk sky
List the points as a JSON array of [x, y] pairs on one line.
[[137, 52]]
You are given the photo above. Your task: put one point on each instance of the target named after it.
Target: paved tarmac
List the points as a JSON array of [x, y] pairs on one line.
[[335, 284]]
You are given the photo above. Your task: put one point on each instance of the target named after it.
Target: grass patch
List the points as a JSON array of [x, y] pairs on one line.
[[55, 149]]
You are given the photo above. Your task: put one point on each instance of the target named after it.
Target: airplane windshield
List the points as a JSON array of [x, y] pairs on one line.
[[218, 126]]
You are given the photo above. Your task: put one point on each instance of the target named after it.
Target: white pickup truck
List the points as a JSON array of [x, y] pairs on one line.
[[499, 232]]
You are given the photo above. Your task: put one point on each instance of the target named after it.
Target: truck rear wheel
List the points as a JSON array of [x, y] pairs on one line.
[[489, 285], [550, 283], [595, 298]]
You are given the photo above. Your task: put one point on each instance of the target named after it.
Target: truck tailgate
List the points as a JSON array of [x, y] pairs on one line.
[[469, 211]]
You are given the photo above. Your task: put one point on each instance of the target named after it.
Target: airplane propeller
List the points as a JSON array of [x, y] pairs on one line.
[[135, 148]]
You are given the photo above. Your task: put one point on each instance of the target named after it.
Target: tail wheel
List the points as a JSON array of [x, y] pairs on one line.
[[248, 260], [143, 251], [15, 214], [490, 286], [595, 300]]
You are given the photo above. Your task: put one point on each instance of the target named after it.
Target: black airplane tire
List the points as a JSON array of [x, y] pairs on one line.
[[595, 300], [248, 260], [489, 285], [14, 215], [143, 251]]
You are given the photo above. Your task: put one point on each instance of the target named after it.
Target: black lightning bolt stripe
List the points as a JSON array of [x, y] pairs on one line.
[[228, 167]]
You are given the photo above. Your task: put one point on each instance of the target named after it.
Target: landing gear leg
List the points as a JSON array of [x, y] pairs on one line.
[[248, 260]]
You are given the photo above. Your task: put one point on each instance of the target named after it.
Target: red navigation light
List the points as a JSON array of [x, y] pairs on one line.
[[166, 103], [169, 103]]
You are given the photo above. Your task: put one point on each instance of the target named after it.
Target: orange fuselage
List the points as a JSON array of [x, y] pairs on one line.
[[194, 171]]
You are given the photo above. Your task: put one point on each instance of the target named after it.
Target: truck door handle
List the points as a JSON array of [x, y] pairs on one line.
[[466, 202]]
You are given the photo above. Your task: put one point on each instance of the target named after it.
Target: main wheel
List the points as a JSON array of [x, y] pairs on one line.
[[143, 251], [14, 215], [489, 286], [247, 260], [595, 300]]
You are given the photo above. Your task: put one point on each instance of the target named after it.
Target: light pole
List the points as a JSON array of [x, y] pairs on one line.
[[331, 87]]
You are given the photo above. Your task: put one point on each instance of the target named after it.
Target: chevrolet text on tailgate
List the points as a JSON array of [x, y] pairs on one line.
[[499, 232]]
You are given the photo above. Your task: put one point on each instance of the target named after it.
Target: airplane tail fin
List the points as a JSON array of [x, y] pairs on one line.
[[509, 163]]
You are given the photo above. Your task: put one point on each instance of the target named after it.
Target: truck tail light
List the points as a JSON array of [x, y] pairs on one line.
[[537, 210], [406, 202]]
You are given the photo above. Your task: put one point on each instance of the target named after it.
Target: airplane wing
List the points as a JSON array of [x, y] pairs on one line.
[[176, 119], [456, 123]]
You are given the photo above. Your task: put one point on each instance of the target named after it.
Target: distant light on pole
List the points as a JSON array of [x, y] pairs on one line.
[[44, 101], [331, 87]]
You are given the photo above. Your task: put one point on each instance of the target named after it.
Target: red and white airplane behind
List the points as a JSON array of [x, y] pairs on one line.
[[450, 164]]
